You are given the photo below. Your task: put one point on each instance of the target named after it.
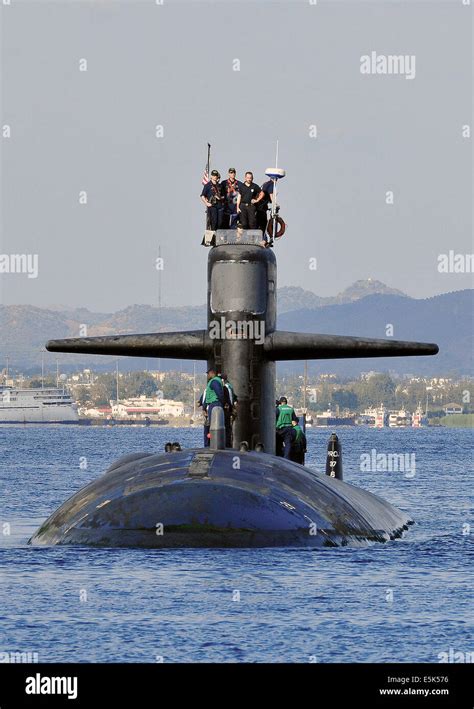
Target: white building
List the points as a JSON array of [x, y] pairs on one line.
[[96, 412], [453, 408], [147, 407]]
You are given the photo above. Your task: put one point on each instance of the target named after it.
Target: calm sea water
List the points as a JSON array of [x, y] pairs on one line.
[[405, 601]]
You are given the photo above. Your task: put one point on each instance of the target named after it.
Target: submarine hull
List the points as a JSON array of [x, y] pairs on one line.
[[219, 498]]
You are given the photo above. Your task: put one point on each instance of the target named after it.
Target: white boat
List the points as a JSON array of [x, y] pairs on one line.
[[367, 417], [373, 417], [417, 417], [380, 417], [304, 416], [399, 419], [331, 418], [48, 405]]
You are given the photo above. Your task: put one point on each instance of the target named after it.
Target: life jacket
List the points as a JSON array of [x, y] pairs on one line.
[[285, 415], [230, 190], [299, 433], [216, 197], [211, 396]]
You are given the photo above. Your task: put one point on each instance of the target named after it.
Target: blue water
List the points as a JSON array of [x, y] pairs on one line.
[[405, 601]]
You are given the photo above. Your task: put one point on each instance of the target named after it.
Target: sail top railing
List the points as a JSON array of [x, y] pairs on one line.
[[238, 236]]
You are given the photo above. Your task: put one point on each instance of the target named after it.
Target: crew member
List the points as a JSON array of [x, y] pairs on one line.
[[298, 445], [285, 415], [233, 396], [202, 403], [246, 202], [230, 189], [213, 198], [229, 409], [264, 201], [214, 397]]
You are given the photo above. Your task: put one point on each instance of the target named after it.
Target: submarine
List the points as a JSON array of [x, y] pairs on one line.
[[244, 496]]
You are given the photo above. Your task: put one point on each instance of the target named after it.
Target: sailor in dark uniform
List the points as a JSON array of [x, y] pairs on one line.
[[246, 202], [263, 204], [213, 198], [230, 405], [230, 189]]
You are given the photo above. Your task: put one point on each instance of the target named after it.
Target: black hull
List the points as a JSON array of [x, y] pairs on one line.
[[200, 498]]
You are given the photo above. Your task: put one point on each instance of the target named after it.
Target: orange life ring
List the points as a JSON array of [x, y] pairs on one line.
[[280, 230]]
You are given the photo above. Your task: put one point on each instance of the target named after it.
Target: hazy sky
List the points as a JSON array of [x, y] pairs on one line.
[[174, 65]]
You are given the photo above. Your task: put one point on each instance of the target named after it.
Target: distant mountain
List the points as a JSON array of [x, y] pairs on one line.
[[445, 319], [361, 289], [24, 330], [146, 318], [25, 325], [365, 309], [296, 298]]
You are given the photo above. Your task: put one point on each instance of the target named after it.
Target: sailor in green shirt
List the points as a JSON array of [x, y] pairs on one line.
[[212, 397], [285, 415], [298, 445]]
